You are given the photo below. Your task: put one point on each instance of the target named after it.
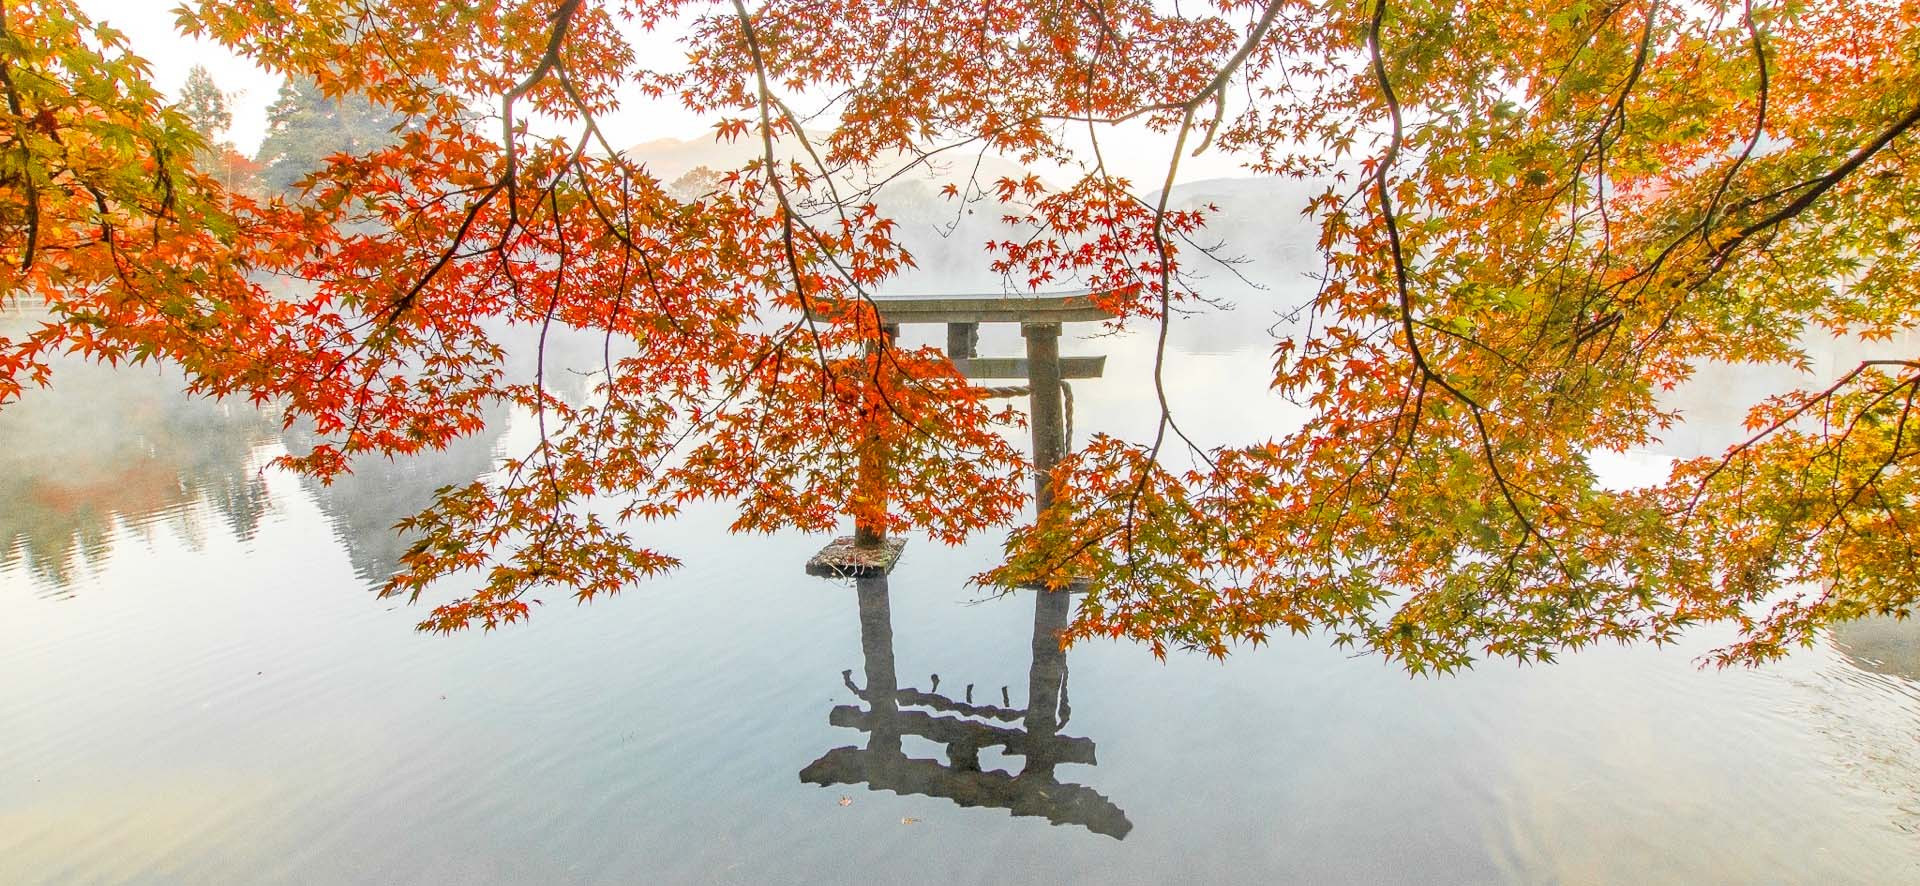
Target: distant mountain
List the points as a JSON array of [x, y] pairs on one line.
[[671, 158], [1257, 227]]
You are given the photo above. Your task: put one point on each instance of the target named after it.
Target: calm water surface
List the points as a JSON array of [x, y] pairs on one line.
[[200, 688]]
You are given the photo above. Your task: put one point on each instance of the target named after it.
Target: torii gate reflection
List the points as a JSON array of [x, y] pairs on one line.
[[887, 718]]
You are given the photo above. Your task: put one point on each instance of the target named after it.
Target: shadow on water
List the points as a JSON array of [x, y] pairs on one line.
[[966, 728]]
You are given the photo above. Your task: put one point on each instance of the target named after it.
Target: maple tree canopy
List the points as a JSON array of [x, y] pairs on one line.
[[1537, 219]]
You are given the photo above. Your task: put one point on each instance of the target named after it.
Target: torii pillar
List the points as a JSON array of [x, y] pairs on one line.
[[868, 552]]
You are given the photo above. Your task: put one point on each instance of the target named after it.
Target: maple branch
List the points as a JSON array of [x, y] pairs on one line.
[[1812, 189], [1821, 185], [1612, 128], [549, 61], [1166, 296], [620, 232], [1820, 398], [882, 343], [780, 193], [400, 305], [1912, 386], [1426, 371], [550, 57], [32, 188], [1217, 87], [540, 354], [1759, 121]]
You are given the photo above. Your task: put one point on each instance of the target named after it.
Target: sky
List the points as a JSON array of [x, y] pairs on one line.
[[1130, 150], [149, 25]]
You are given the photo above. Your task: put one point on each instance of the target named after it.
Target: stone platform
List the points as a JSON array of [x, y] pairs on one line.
[[844, 559]]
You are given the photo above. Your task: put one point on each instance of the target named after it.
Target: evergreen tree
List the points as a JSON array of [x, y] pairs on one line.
[[304, 127], [205, 105], [210, 114]]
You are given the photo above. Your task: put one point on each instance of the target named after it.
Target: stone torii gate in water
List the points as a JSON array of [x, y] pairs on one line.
[[868, 551]]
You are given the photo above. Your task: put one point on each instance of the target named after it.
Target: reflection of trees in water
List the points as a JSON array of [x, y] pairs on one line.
[[105, 447], [965, 729], [1881, 644], [364, 506], [1868, 707]]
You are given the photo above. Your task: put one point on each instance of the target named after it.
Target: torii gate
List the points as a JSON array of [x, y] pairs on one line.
[[869, 552]]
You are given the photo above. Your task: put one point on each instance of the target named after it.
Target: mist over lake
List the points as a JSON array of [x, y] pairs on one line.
[[203, 687]]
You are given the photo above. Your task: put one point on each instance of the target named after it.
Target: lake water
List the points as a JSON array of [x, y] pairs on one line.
[[200, 688]]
